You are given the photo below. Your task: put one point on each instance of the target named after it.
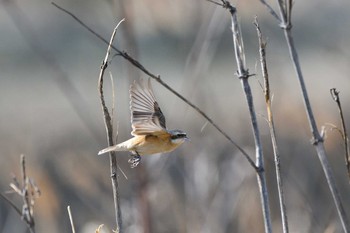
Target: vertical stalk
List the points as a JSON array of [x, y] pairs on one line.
[[243, 75], [285, 11], [110, 138], [344, 134], [262, 52], [285, 8], [259, 157], [317, 139]]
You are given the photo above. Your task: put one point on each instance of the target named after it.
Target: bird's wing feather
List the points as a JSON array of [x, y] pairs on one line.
[[146, 116]]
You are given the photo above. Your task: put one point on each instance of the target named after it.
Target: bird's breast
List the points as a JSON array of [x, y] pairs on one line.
[[151, 144]]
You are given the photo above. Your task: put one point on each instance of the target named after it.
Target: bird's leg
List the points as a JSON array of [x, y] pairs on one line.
[[134, 160]]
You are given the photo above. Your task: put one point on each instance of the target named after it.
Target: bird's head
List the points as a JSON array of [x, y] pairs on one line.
[[178, 136]]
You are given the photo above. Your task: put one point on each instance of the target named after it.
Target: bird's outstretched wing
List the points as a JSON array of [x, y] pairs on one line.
[[146, 116]]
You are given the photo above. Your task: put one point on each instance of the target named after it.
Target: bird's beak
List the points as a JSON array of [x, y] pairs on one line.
[[187, 139]]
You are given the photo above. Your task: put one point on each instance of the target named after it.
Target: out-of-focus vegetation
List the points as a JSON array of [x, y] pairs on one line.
[[204, 186]]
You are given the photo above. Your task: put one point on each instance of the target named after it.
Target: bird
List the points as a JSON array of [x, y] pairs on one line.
[[150, 135]]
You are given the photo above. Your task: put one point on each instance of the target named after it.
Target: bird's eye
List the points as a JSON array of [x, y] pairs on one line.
[[178, 135]]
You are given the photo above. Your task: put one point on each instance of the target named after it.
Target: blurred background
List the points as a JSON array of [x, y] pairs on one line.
[[50, 112]]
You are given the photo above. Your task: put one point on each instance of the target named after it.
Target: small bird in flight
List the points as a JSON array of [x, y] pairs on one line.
[[148, 127]]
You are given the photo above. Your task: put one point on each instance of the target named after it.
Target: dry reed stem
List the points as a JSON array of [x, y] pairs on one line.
[[343, 131], [71, 219], [110, 137], [262, 52], [29, 192], [285, 10], [243, 75]]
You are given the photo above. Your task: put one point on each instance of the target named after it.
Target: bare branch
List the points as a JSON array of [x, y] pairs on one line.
[[336, 98], [71, 219], [285, 8], [334, 127], [11, 204], [110, 137], [262, 52], [216, 3], [29, 192], [243, 75], [271, 10], [27, 211]]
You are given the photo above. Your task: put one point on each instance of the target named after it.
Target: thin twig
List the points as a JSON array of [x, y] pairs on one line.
[[112, 118], [317, 139], [285, 8], [27, 211], [216, 3], [262, 52], [71, 219], [99, 228], [336, 98], [11, 204], [157, 78], [110, 137], [243, 75], [28, 191], [26, 206], [334, 127], [271, 10]]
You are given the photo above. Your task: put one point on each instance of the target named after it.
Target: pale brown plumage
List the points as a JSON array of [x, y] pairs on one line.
[[148, 125]]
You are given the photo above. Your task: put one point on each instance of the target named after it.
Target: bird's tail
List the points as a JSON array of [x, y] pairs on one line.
[[109, 149]]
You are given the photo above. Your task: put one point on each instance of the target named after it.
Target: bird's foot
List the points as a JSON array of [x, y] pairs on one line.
[[134, 160]]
